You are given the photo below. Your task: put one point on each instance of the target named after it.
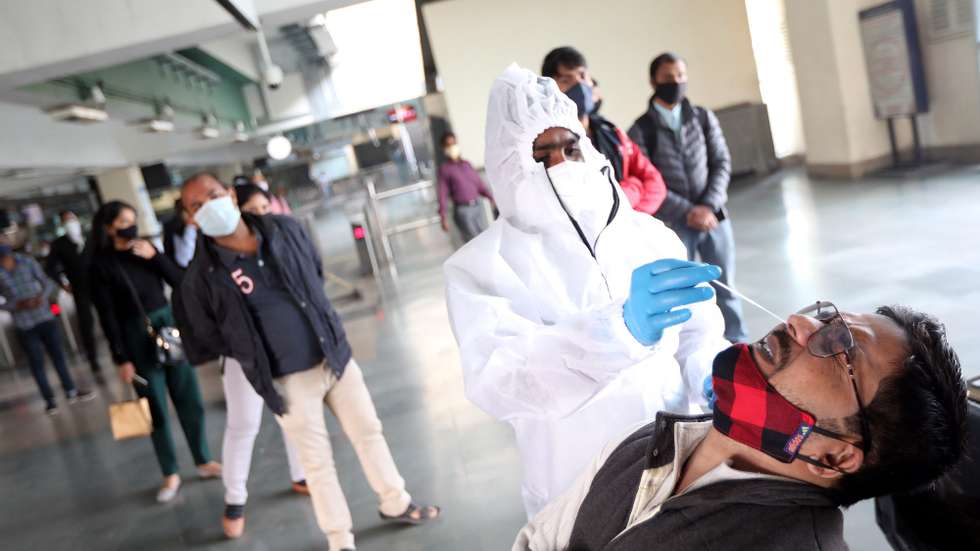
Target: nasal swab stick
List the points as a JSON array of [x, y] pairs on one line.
[[747, 299]]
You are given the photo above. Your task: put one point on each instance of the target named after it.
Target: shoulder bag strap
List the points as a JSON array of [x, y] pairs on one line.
[[136, 298]]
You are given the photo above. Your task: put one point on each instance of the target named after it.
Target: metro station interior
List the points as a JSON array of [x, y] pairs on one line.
[[340, 109]]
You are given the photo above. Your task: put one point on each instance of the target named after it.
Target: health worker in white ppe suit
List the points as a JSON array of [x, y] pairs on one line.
[[566, 308]]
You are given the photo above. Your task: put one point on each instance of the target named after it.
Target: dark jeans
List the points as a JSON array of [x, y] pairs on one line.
[[470, 219], [180, 382], [41, 337], [718, 247], [86, 326]]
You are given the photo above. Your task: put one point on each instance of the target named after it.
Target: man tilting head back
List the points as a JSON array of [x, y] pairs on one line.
[[826, 410]]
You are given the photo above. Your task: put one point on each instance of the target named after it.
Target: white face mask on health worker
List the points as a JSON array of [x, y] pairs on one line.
[[585, 192], [218, 217]]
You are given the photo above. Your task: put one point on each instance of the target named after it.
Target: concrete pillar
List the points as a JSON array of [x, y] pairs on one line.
[[843, 138], [127, 185]]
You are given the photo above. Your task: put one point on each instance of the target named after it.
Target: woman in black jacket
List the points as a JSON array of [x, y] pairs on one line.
[[128, 274]]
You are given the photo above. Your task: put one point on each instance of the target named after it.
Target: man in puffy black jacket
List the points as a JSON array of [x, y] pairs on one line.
[[254, 292], [684, 141]]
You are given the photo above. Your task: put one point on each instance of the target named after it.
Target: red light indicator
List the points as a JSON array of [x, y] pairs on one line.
[[359, 232]]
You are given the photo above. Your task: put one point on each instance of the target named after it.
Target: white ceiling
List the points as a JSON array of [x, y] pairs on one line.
[[45, 39]]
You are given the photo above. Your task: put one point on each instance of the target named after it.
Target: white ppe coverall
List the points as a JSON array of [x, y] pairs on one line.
[[539, 319]]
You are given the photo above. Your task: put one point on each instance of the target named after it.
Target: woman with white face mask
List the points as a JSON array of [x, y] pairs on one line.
[[564, 308]]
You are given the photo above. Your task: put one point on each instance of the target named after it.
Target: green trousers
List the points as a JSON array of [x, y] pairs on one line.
[[180, 382]]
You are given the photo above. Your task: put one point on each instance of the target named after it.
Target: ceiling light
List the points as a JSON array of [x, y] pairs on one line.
[[89, 111], [96, 95], [163, 121], [240, 135], [158, 126], [76, 112], [209, 127], [317, 21], [279, 147], [208, 132]]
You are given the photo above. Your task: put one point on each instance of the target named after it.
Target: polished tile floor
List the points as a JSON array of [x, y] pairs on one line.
[[67, 485]]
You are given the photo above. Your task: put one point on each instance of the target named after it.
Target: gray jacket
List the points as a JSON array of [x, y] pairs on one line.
[[695, 162]]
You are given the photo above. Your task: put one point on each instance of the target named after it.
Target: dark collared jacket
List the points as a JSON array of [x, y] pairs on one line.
[[740, 514], [214, 318]]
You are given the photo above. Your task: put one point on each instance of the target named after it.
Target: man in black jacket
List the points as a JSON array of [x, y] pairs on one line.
[[67, 258], [684, 141], [826, 410], [254, 292]]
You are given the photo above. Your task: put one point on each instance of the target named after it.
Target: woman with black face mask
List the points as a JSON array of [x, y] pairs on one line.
[[128, 274]]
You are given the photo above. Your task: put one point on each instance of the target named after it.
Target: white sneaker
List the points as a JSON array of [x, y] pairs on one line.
[[77, 396], [167, 492]]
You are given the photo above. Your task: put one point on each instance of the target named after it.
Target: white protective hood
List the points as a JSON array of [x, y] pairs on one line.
[[539, 320]]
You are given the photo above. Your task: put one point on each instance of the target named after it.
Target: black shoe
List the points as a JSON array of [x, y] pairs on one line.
[[51, 408], [234, 511], [76, 396]]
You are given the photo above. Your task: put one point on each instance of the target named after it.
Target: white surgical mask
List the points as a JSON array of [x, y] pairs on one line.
[[73, 229], [452, 151], [586, 194], [218, 217]]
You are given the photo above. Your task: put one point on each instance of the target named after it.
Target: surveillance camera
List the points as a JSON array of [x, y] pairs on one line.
[[272, 75]]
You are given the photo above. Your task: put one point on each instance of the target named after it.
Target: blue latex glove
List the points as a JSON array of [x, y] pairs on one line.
[[709, 392], [658, 287]]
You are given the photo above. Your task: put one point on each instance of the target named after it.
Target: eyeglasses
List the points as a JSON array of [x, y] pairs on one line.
[[832, 340]]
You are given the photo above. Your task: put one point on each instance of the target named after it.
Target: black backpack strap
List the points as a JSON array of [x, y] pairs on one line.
[[648, 129], [703, 119]]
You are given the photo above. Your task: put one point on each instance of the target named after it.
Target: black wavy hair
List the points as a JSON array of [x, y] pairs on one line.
[[917, 418], [666, 57], [99, 240], [244, 192], [564, 56]]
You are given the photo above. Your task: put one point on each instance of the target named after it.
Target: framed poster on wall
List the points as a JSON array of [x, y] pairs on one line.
[[890, 37]]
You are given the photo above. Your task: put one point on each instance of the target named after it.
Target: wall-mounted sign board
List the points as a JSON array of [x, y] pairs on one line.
[[893, 57]]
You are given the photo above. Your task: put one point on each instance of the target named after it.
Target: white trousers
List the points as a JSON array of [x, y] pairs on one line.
[[244, 418], [348, 399]]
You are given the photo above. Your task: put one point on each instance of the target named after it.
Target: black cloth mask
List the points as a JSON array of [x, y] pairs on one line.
[[670, 92], [128, 233], [581, 94]]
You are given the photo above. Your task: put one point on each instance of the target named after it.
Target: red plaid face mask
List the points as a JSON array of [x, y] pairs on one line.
[[751, 411]]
